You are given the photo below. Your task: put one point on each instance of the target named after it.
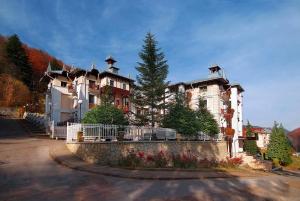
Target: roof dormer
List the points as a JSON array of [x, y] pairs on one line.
[[110, 65]]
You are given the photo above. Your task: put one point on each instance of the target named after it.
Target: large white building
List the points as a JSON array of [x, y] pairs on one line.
[[71, 93], [214, 89]]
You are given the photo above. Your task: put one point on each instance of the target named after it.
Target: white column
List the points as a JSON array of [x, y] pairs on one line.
[[234, 105]]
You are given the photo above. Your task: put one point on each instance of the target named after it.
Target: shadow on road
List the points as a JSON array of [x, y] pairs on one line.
[[28, 173]]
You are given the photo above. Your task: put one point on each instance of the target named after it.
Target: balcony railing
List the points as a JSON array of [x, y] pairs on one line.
[[93, 88], [71, 88]]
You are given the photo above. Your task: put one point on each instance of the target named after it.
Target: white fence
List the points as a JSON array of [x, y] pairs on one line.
[[100, 132], [56, 131], [204, 137]]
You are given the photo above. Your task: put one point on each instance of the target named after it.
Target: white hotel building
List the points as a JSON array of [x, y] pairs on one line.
[[212, 89], [71, 93]]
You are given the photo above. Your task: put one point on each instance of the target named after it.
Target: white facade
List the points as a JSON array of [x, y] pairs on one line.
[[211, 90], [72, 93]]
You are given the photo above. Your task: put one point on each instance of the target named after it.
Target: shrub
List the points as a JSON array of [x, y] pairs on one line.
[[105, 114], [132, 159], [160, 159], [185, 160], [206, 163]]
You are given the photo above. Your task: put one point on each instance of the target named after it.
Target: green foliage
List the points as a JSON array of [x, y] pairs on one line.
[[189, 122], [17, 55], [206, 122], [185, 160], [151, 85], [279, 147], [106, 96], [105, 114], [250, 146], [181, 117]]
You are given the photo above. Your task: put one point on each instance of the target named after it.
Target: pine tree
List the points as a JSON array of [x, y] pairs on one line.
[[180, 117], [206, 122], [106, 96], [250, 146], [17, 55], [279, 147], [151, 84]]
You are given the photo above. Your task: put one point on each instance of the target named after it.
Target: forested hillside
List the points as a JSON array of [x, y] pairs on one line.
[[21, 68]]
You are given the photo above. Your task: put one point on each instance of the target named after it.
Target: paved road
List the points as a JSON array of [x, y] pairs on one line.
[[28, 173]]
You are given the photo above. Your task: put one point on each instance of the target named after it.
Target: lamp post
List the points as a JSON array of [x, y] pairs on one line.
[[79, 102]]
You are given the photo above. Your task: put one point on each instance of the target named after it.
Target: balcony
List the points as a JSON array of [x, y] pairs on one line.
[[71, 89], [115, 90], [94, 89]]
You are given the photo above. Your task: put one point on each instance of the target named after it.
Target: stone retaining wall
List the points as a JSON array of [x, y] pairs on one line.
[[106, 153]]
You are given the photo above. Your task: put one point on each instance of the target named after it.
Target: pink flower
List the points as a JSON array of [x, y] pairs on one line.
[[141, 154]]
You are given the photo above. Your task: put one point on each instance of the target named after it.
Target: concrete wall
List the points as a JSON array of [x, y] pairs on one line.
[[106, 153]]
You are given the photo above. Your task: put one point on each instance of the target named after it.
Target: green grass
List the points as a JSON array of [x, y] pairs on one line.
[[295, 165]]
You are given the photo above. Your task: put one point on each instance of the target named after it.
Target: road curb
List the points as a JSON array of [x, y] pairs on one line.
[[73, 162]]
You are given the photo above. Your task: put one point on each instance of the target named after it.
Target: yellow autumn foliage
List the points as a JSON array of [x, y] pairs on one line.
[[13, 92]]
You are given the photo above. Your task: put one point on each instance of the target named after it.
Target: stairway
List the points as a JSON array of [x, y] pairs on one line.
[[254, 163], [33, 129]]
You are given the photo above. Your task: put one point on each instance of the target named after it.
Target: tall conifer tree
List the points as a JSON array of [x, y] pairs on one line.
[[17, 55], [279, 147], [151, 84]]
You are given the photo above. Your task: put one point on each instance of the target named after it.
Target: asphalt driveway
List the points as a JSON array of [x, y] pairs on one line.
[[28, 173]]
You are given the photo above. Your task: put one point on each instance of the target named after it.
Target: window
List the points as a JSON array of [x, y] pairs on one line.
[[125, 102], [111, 83], [92, 83], [203, 88], [124, 86], [91, 99], [63, 84]]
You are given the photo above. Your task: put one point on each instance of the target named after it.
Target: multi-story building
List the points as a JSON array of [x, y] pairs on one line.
[[263, 135], [71, 93], [213, 89]]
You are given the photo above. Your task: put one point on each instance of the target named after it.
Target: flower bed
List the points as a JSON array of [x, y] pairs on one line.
[[187, 160]]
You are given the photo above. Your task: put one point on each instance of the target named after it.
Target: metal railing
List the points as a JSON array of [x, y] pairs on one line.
[[101, 132], [56, 131], [205, 137]]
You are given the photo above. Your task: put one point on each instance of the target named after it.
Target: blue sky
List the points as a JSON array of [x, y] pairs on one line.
[[257, 42]]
